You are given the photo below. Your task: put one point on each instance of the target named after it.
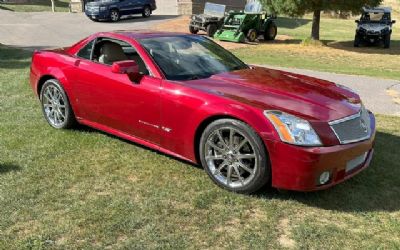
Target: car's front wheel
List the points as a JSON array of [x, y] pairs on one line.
[[193, 30], [357, 41], [211, 29], [55, 105], [114, 15], [234, 156], [252, 35], [386, 41], [146, 11]]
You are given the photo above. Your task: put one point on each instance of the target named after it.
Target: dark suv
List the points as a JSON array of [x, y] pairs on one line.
[[114, 9]]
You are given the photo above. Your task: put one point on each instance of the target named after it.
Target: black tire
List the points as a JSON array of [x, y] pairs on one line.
[[270, 32], [252, 35], [211, 29], [386, 41], [193, 30], [69, 120], [146, 11], [357, 41], [261, 170], [114, 15]]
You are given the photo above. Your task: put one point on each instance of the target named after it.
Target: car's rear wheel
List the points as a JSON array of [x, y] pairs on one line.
[[114, 16], [386, 41], [211, 29], [146, 11], [357, 41], [234, 156], [252, 35], [270, 32], [193, 30], [55, 105]]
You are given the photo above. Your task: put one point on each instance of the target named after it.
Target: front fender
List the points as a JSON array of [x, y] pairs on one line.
[[207, 113]]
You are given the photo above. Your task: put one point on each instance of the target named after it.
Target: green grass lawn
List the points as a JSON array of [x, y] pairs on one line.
[[36, 6], [337, 55], [84, 189]]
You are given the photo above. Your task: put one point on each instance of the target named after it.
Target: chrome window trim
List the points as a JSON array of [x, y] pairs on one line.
[[347, 118]]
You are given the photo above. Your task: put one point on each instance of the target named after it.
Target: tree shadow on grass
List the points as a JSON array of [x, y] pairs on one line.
[[375, 189], [87, 129], [291, 23], [5, 8], [366, 48], [62, 4], [8, 167], [13, 58]]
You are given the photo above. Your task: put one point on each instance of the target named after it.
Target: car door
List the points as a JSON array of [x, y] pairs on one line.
[[114, 101], [125, 7], [138, 6]]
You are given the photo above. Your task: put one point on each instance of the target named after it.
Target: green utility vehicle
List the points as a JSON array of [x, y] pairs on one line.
[[247, 25]]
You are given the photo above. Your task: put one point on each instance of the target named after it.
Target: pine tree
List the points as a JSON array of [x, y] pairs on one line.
[[297, 8]]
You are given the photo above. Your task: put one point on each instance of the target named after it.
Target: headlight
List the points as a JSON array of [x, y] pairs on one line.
[[103, 8], [292, 129], [193, 18]]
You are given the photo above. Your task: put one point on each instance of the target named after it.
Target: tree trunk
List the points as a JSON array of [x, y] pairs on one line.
[[53, 6], [316, 24]]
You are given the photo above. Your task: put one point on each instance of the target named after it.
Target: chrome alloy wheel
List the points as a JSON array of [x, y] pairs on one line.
[[54, 106], [114, 15], [147, 11], [231, 157]]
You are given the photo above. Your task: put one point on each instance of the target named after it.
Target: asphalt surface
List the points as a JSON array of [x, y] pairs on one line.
[[46, 29], [32, 30]]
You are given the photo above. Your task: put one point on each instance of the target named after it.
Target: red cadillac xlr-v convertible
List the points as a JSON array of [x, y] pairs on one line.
[[188, 97]]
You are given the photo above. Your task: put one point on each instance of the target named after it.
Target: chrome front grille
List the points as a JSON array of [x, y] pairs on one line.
[[92, 9], [353, 128]]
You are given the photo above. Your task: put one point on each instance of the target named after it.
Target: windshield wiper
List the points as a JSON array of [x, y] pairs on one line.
[[193, 77]]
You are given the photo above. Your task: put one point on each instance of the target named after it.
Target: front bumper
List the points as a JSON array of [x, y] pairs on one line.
[[98, 15], [299, 168], [198, 25]]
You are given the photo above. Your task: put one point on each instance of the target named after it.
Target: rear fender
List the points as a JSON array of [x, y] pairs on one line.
[[58, 74]]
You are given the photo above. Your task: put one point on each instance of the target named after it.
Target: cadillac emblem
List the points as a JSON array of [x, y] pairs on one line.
[[363, 126]]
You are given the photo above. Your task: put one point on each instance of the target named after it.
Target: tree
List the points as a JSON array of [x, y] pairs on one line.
[[297, 8], [53, 5]]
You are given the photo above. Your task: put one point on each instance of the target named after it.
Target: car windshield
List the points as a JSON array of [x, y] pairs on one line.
[[375, 17], [190, 57]]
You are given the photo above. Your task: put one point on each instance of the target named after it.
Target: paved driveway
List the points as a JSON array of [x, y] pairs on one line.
[[46, 29]]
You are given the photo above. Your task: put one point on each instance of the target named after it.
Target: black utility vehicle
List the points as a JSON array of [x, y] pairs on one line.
[[210, 21], [374, 26]]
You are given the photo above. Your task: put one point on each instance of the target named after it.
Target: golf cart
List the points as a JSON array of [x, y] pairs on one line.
[[375, 25], [210, 21], [247, 25]]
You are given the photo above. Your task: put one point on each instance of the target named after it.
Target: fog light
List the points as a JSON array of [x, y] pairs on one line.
[[324, 178]]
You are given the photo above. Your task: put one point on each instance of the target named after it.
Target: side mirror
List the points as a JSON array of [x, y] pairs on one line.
[[393, 21], [125, 67], [128, 67], [357, 21]]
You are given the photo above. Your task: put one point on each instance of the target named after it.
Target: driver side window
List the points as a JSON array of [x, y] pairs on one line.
[[86, 52], [107, 51]]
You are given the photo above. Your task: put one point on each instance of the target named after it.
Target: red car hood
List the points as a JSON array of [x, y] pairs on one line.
[[268, 89]]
